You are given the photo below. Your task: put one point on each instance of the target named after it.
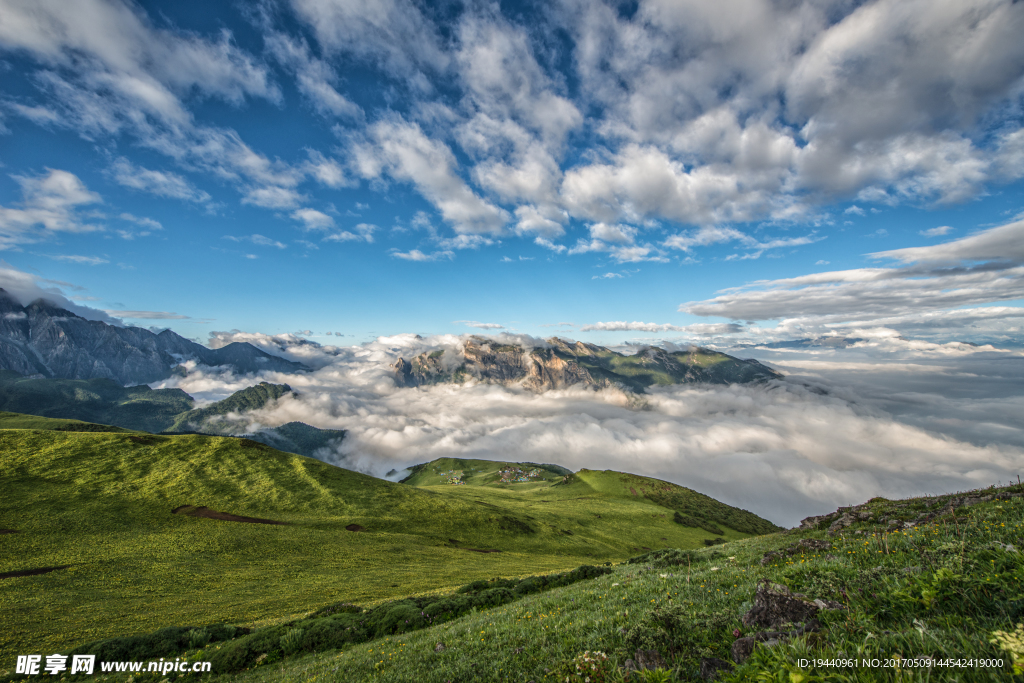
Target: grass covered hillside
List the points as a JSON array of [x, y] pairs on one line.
[[22, 421], [215, 417], [119, 533], [102, 401], [914, 590], [529, 486], [464, 471]]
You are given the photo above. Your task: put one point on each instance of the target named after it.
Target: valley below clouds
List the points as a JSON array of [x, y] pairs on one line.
[[883, 417]]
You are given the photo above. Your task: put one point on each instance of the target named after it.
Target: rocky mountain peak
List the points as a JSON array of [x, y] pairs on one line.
[[46, 340], [564, 363]]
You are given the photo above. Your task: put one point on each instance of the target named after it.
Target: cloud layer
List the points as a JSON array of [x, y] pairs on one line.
[[935, 290], [785, 450]]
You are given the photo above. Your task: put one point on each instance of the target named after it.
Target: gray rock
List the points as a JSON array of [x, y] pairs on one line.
[[742, 648], [561, 363], [649, 659], [710, 667], [846, 520], [775, 605]]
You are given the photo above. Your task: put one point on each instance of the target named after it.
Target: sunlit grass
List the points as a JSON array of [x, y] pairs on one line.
[[101, 503]]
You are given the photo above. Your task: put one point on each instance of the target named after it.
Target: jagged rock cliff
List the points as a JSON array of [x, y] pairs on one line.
[[565, 363], [46, 340]]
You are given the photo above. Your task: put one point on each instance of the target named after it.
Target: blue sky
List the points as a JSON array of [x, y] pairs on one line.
[[601, 171]]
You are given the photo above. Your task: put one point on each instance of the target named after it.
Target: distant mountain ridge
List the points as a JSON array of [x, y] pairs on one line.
[[97, 400], [47, 340], [563, 363], [213, 418], [105, 402]]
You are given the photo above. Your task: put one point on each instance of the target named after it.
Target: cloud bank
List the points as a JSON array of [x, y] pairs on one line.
[[942, 289], [783, 450]]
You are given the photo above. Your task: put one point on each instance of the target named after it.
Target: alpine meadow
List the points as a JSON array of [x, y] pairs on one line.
[[445, 341]]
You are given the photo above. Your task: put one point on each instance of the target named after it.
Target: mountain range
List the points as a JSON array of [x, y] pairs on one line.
[[141, 408], [45, 340], [563, 363]]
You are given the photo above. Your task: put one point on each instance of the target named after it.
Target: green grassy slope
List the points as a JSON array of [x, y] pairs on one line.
[[298, 437], [22, 421], [95, 400], [937, 593], [213, 418], [101, 503], [140, 408], [484, 473], [589, 492]]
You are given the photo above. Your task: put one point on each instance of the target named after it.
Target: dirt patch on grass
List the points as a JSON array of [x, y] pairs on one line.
[[32, 572], [9, 531], [453, 543], [355, 527], [203, 511]]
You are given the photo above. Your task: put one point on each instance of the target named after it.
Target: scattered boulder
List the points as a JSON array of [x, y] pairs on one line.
[[710, 667], [838, 525], [942, 505], [775, 605], [813, 522], [355, 527], [649, 659], [743, 647]]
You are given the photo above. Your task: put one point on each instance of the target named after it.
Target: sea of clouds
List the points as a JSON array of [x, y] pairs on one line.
[[885, 416]]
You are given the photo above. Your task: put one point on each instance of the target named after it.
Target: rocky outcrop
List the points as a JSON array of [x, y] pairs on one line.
[[778, 608], [562, 363], [537, 369], [45, 340], [804, 546], [899, 515]]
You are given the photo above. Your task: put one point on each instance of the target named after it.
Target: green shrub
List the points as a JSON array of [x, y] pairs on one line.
[[292, 641], [396, 617], [168, 641]]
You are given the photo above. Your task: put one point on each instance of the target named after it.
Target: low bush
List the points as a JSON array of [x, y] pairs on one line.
[[337, 625], [163, 643]]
